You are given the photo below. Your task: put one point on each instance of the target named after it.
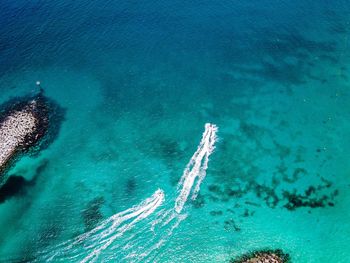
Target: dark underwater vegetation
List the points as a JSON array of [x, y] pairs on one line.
[[133, 83]]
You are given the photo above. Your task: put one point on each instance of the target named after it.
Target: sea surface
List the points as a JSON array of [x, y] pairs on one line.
[[138, 81]]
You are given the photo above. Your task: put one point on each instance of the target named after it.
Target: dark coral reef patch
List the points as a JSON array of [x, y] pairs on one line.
[[92, 214]]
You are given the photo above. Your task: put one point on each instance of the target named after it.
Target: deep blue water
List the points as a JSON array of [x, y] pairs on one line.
[[138, 81]]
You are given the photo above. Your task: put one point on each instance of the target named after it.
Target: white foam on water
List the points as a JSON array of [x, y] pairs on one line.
[[101, 237], [196, 168], [143, 244], [168, 220], [140, 214]]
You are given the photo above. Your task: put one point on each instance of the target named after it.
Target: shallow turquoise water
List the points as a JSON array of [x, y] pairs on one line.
[[138, 81]]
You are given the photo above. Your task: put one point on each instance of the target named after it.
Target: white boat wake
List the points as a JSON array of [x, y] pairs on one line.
[[145, 239], [168, 220], [196, 168]]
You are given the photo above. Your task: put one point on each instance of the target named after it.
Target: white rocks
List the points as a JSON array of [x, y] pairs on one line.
[[15, 129]]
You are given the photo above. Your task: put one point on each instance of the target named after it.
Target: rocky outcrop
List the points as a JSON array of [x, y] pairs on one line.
[[23, 123], [264, 256]]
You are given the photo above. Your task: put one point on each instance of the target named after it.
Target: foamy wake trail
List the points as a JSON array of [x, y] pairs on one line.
[[88, 246], [143, 242], [196, 168], [168, 220]]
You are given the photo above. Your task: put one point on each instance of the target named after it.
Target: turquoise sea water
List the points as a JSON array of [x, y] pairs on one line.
[[138, 81]]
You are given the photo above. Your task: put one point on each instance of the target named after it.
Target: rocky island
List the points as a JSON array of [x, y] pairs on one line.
[[264, 256], [23, 123]]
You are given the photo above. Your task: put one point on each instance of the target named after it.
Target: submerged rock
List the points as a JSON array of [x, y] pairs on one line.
[[92, 214], [264, 256]]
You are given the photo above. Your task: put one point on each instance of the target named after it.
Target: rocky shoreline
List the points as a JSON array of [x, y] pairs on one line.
[[23, 123], [263, 256]]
